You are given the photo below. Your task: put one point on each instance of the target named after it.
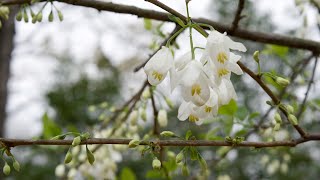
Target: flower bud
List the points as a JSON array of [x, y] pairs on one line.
[[179, 157], [60, 15], [169, 102], [143, 115], [293, 120], [134, 143], [60, 170], [282, 81], [19, 16], [6, 169], [277, 117], [25, 16], [133, 117], [156, 164], [72, 173], [162, 118], [185, 170], [167, 134], [290, 109], [68, 158], [146, 94], [16, 165], [90, 156], [256, 56], [34, 19], [76, 141], [277, 127], [50, 17], [39, 17]]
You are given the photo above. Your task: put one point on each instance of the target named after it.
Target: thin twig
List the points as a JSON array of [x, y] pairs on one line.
[[308, 89], [238, 16]]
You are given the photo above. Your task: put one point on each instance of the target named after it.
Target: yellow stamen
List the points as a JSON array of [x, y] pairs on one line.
[[196, 89], [222, 57], [207, 109], [193, 118], [157, 75], [222, 72]]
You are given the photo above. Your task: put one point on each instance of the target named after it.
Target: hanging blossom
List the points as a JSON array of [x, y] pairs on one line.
[[158, 66], [204, 85]]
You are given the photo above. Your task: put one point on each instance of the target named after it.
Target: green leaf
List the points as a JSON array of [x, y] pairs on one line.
[[127, 174], [50, 128], [229, 109], [280, 51], [147, 23], [153, 174], [241, 113]]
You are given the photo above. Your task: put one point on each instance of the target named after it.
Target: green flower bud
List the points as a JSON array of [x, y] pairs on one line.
[[179, 157], [50, 17], [256, 56], [25, 16], [169, 102], [76, 141], [134, 143], [185, 170], [282, 81], [32, 13], [16, 165], [39, 17], [19, 16], [143, 115], [90, 156], [85, 135], [293, 120], [146, 94], [6, 169], [60, 15], [277, 117], [162, 118], [133, 117], [68, 158], [276, 127], [156, 164], [167, 134], [290, 109], [34, 19]]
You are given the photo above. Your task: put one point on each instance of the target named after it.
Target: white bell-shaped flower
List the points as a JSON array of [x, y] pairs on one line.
[[188, 110], [218, 57], [198, 92], [158, 66], [226, 92]]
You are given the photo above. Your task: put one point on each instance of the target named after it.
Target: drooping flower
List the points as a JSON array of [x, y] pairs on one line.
[[218, 57], [226, 92], [195, 83], [188, 110], [158, 66]]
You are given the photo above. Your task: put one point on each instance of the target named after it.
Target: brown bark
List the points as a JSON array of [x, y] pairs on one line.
[[6, 47]]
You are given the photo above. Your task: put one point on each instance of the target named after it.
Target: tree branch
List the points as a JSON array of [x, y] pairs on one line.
[[269, 38], [238, 16], [26, 142]]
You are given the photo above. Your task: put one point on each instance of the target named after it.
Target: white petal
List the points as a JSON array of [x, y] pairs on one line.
[[181, 62], [191, 73], [174, 79], [235, 45], [184, 111], [235, 68], [234, 57]]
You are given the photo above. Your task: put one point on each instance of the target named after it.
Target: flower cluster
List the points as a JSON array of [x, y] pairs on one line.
[[205, 83]]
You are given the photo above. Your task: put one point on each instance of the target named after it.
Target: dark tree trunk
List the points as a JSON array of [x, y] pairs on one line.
[[6, 47]]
